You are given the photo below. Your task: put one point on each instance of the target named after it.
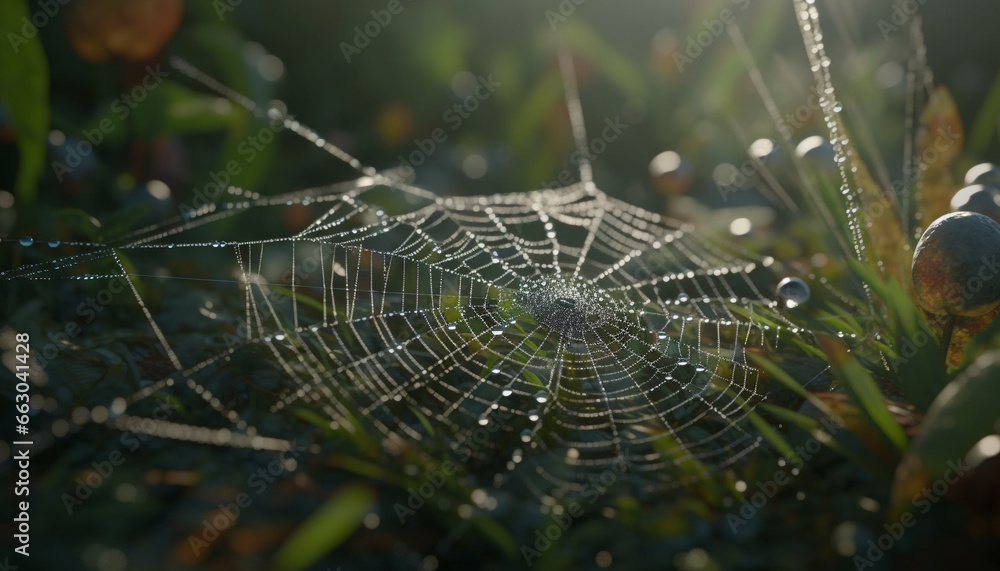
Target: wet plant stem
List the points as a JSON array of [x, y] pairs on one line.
[[949, 327]]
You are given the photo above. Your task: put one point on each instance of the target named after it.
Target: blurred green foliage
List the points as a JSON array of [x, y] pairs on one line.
[[380, 106]]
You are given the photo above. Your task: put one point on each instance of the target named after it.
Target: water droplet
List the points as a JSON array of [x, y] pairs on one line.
[[661, 335], [484, 420], [793, 291], [53, 243], [498, 330], [507, 392], [451, 327], [526, 435], [542, 396], [26, 241]]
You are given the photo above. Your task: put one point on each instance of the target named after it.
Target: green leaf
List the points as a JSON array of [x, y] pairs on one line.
[[245, 148], [327, 528], [964, 412], [371, 470], [314, 418], [443, 48], [80, 223], [812, 426], [24, 93], [173, 401], [985, 124], [121, 222], [532, 378], [920, 371], [621, 71], [169, 108], [423, 420], [785, 379], [773, 437], [497, 533], [299, 296], [863, 390], [522, 134]]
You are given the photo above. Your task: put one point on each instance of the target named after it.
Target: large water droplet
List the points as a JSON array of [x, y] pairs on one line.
[[542, 396], [793, 291], [53, 243], [26, 241], [526, 435]]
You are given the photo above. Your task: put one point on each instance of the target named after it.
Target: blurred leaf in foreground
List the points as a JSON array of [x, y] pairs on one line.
[[327, 528], [24, 92], [963, 417]]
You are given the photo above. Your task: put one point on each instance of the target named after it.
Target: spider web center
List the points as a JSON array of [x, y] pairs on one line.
[[568, 306]]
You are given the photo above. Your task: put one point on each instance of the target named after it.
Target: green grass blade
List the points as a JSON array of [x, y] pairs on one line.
[[863, 390], [327, 528]]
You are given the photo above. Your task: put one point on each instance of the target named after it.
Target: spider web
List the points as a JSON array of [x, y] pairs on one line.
[[551, 335]]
